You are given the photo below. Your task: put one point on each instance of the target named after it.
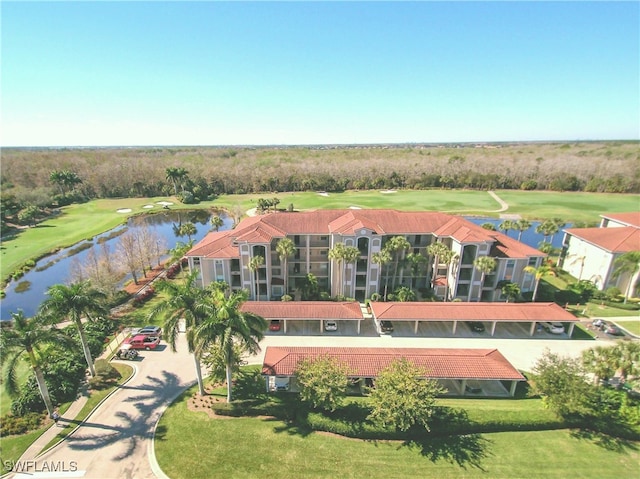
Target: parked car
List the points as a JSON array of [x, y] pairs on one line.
[[472, 390], [151, 331], [140, 341], [386, 327], [330, 325], [553, 328], [476, 326], [274, 325], [613, 330], [126, 352]]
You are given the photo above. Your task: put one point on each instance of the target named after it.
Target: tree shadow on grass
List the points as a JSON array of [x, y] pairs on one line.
[[466, 451], [605, 441]]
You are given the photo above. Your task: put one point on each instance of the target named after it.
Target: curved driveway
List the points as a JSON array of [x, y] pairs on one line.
[[115, 440]]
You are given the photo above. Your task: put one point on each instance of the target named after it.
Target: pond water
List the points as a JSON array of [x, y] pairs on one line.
[[529, 237], [30, 290]]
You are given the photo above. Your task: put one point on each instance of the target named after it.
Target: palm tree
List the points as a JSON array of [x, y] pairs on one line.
[[26, 337], [175, 175], [254, 265], [383, 258], [285, 249], [217, 222], [337, 254], [75, 302], [547, 228], [178, 252], [350, 255], [186, 302], [486, 265], [228, 328], [539, 272], [308, 287], [404, 294], [450, 258], [628, 262], [506, 225], [522, 226], [508, 289], [397, 246], [627, 358], [599, 361], [188, 230], [488, 226]]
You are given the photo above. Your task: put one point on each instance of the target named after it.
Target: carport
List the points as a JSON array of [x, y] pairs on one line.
[[486, 370], [492, 313], [307, 311]]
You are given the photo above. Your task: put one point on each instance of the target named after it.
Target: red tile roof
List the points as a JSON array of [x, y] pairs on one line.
[[631, 219], [486, 364], [263, 229], [304, 309], [457, 311], [615, 240]]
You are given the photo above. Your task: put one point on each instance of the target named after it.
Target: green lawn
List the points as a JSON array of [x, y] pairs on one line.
[[259, 447], [22, 374], [632, 324]]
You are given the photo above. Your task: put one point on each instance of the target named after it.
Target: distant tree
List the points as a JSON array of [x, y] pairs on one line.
[[628, 263], [29, 215], [176, 176], [254, 266], [217, 222], [126, 252], [522, 226], [322, 382], [547, 229], [383, 258], [285, 249], [486, 265], [403, 396], [188, 230], [506, 226], [488, 226]]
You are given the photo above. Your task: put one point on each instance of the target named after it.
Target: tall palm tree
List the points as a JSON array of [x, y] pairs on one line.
[[350, 255], [285, 249], [437, 250], [184, 302], [75, 302], [397, 246], [547, 229], [336, 254], [508, 289], [176, 176], [600, 361], [188, 230], [450, 258], [254, 265], [27, 337], [522, 226], [628, 262], [230, 327], [217, 222], [542, 270], [486, 265], [506, 226], [383, 258]]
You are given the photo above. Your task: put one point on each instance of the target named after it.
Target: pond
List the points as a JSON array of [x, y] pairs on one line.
[[529, 237], [30, 290]]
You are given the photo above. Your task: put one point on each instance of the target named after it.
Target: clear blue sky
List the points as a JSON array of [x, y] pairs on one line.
[[213, 73]]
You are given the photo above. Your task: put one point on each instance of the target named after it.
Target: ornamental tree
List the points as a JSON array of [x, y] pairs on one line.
[[322, 382]]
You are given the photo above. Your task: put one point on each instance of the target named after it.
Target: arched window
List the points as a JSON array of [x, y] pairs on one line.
[[363, 245]]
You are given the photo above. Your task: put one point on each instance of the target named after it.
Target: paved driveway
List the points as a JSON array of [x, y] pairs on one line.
[[115, 441]]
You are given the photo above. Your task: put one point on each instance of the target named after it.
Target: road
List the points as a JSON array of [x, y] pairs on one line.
[[116, 439]]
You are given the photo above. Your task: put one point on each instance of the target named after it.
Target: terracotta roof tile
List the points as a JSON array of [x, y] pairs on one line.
[[368, 362], [427, 311], [614, 240], [304, 309], [631, 219]]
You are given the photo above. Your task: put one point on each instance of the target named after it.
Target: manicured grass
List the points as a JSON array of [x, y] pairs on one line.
[[259, 447], [14, 446], [22, 374], [631, 325], [595, 310]]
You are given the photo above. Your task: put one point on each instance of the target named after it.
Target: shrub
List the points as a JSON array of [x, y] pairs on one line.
[[11, 424]]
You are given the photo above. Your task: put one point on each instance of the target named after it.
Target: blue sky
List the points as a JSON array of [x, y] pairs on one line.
[[215, 73]]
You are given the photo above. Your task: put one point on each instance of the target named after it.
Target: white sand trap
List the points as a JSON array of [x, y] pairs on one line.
[[164, 203], [386, 192], [323, 193], [146, 207], [124, 210], [354, 208]]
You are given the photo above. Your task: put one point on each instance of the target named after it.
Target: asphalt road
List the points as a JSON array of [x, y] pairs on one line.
[[115, 442]]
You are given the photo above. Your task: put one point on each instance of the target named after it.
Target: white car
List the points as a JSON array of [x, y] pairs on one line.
[[553, 328], [330, 326]]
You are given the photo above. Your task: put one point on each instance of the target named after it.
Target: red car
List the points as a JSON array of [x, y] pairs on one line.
[[274, 325], [140, 341]]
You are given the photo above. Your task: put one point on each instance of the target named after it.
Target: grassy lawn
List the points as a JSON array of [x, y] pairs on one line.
[[14, 446], [258, 447], [595, 310], [22, 374], [631, 325]]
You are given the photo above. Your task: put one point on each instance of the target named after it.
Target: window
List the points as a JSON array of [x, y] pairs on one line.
[[465, 274], [469, 254], [196, 261], [363, 245], [417, 240], [324, 252], [508, 272]]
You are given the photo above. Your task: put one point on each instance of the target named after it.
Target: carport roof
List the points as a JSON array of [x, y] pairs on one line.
[[429, 311], [304, 309], [483, 364]]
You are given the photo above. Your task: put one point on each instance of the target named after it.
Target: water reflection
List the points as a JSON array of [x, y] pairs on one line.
[[29, 291]]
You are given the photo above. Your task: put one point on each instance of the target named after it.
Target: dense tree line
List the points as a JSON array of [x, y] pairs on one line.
[[34, 176]]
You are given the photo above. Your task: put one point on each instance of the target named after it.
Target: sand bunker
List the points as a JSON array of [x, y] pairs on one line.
[[124, 210], [386, 192], [147, 206], [164, 203], [323, 193], [354, 208]]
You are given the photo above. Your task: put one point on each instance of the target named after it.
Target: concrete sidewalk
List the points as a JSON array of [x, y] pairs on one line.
[[71, 414]]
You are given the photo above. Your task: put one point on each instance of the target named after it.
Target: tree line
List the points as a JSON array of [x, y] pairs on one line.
[[43, 177]]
